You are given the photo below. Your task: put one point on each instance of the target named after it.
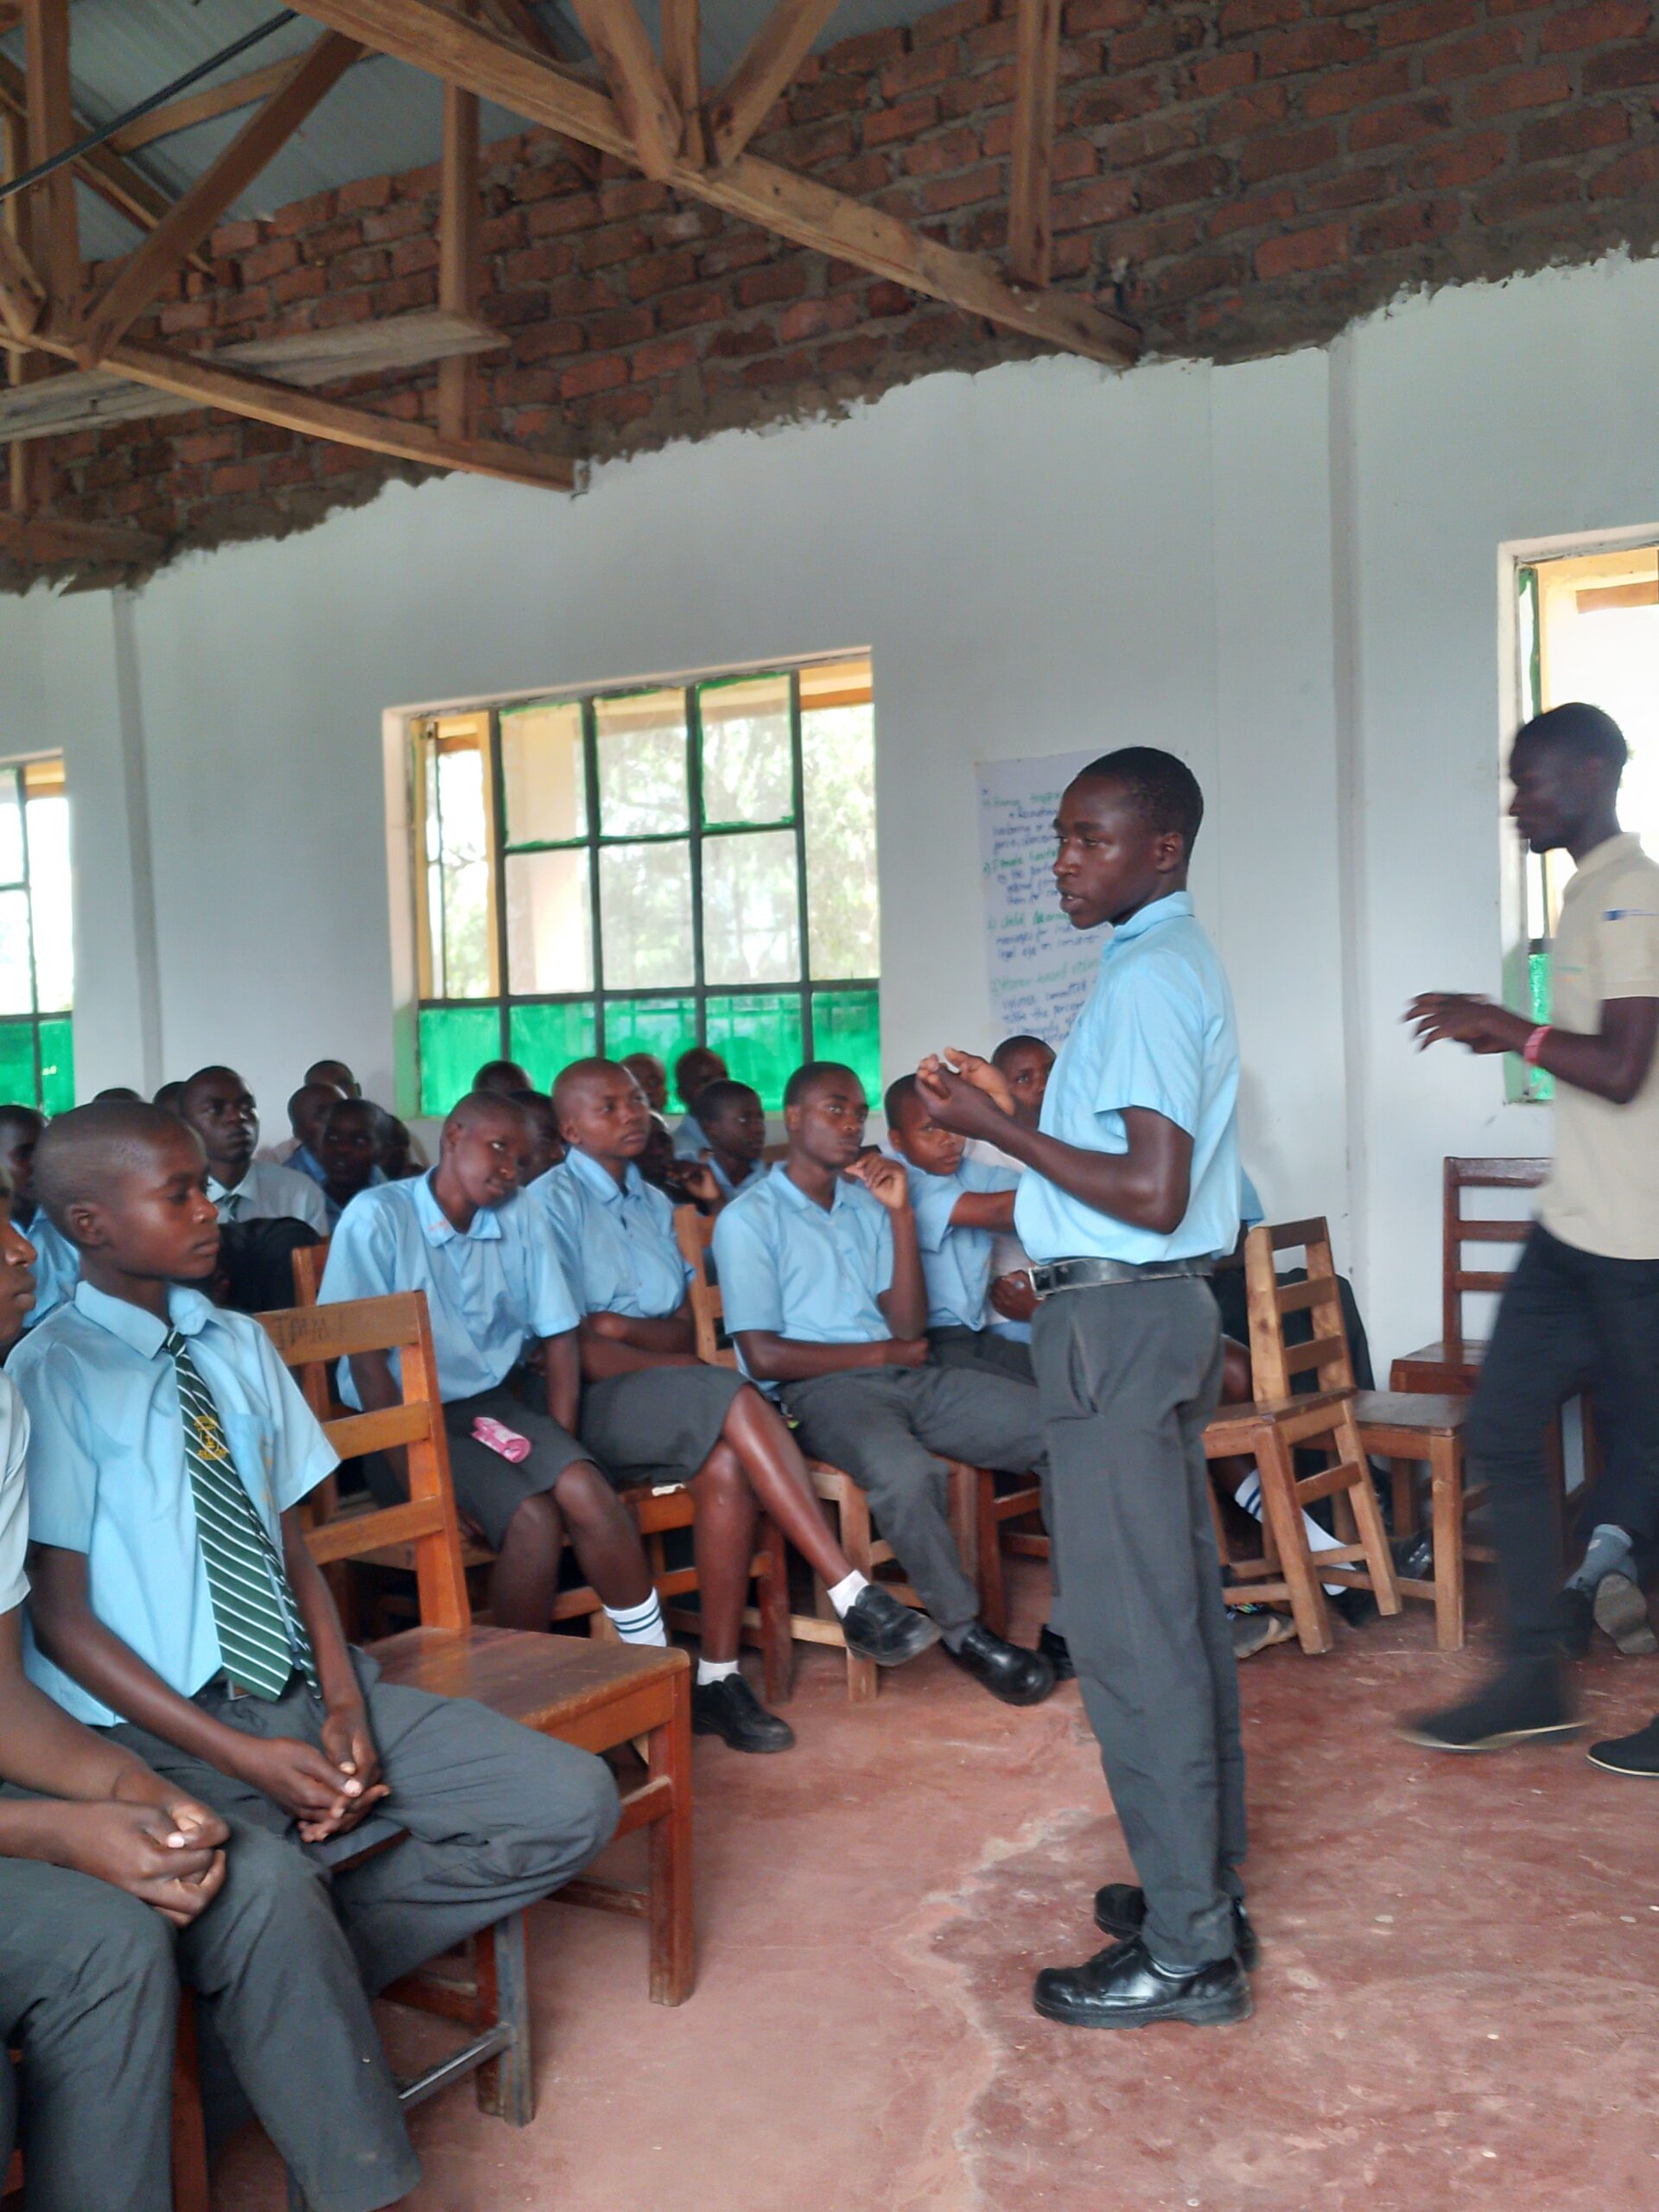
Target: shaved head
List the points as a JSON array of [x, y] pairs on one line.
[[83, 1155], [580, 1077], [192, 1087], [483, 1109]]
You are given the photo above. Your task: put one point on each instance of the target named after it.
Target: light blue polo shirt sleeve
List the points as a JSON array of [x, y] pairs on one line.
[[1153, 1057], [62, 1473], [881, 1272], [303, 1456], [14, 1497], [1250, 1209], [362, 1255], [550, 1308], [933, 1200], [560, 1212], [749, 1280]]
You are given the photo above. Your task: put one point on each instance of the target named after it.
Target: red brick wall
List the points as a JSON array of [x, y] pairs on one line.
[[1242, 176]]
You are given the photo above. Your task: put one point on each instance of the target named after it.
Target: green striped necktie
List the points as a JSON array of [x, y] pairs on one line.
[[261, 1636]]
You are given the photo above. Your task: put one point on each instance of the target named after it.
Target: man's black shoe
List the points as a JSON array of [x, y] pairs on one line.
[[1636, 1755], [1008, 1670], [876, 1626], [1413, 1556], [1528, 1701], [1121, 1988], [1357, 1607], [1054, 1648], [1121, 1910], [1574, 1618], [1621, 1611], [730, 1709]]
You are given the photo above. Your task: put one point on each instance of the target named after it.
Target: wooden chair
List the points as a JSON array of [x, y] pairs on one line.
[[1004, 1525], [1271, 1430], [865, 1550], [190, 2189], [1451, 1362], [1408, 1429], [659, 1512], [595, 1695]]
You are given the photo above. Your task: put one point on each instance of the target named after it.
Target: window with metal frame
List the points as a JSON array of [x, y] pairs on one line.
[[37, 958], [648, 868], [1588, 628]]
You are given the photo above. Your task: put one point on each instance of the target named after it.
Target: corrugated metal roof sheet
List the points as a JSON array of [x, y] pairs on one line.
[[381, 118]]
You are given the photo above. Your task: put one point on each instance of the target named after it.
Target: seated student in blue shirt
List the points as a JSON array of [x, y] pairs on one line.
[[821, 1276], [466, 1235], [693, 1073], [1130, 1196], [734, 1122], [652, 1412], [176, 1606], [504, 1078], [959, 1205], [307, 1109], [546, 1145], [348, 1153], [99, 1860], [57, 1264], [218, 1106]]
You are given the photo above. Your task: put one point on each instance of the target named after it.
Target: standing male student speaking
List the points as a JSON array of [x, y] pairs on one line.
[[1133, 1194]]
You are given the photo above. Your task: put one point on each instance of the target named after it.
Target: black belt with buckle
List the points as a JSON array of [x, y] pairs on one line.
[[1048, 1276]]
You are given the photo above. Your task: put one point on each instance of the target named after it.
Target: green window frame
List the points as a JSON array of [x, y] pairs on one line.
[[37, 1060], [764, 1027]]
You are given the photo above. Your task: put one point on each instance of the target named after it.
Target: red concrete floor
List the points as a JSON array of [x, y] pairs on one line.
[[1458, 2003]]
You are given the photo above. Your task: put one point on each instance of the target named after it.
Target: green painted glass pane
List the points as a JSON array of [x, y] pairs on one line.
[[455, 1041], [847, 1026], [57, 1066], [17, 1063], [665, 1027], [759, 1036], [544, 1039]]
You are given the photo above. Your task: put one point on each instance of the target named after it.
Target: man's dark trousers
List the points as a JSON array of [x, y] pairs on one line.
[[1129, 1375], [1569, 1320]]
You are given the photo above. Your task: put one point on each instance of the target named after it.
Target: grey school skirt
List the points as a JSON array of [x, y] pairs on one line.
[[657, 1424]]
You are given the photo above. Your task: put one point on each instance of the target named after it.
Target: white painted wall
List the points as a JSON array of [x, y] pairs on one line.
[[1288, 571]]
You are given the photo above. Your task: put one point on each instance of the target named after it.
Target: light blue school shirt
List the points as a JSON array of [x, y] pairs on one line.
[[57, 1267], [689, 1142], [304, 1162], [487, 1290], [787, 1265], [723, 1183], [106, 1472], [615, 1241], [956, 1262], [1250, 1211], [332, 1208], [1156, 1031]]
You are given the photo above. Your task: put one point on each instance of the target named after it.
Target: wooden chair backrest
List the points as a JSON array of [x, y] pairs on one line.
[[695, 1233], [1459, 1228], [1275, 1364], [309, 1338], [308, 1262]]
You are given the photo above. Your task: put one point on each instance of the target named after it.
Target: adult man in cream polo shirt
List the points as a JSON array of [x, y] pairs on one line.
[[1583, 1304]]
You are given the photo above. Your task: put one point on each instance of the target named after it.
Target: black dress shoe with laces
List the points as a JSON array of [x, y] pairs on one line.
[[1121, 1910], [1123, 1988], [1052, 1646], [730, 1709], [876, 1626], [1008, 1670]]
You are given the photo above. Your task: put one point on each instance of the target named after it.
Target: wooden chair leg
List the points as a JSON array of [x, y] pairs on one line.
[[1276, 1470], [777, 1642], [1446, 1474], [189, 2136], [505, 2085], [857, 1541], [673, 1931], [993, 1594], [1368, 1514], [1404, 1472]]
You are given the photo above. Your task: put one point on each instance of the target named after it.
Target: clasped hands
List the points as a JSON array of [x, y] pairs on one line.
[[327, 1791]]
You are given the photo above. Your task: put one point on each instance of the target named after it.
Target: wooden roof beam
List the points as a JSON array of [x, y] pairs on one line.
[[650, 114], [1036, 77], [22, 290], [48, 539], [460, 261], [770, 61], [431, 37], [138, 280], [50, 122]]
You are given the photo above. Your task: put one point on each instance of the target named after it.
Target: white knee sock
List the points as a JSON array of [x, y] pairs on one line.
[[641, 1623], [1248, 1495], [842, 1593]]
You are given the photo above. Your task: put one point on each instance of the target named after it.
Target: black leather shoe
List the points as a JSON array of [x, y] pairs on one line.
[[1121, 1910], [1008, 1670], [876, 1626], [1413, 1556], [1636, 1755], [731, 1709], [1054, 1647], [1121, 1988], [1528, 1701]]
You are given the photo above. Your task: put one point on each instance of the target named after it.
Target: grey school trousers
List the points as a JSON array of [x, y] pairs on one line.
[[1127, 1375], [286, 1957], [893, 1429], [89, 1995]]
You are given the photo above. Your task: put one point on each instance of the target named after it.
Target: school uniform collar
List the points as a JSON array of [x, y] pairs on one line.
[[188, 1312], [304, 1162], [1161, 910], [436, 1226], [787, 1187], [601, 1181], [218, 1191], [1610, 853]]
